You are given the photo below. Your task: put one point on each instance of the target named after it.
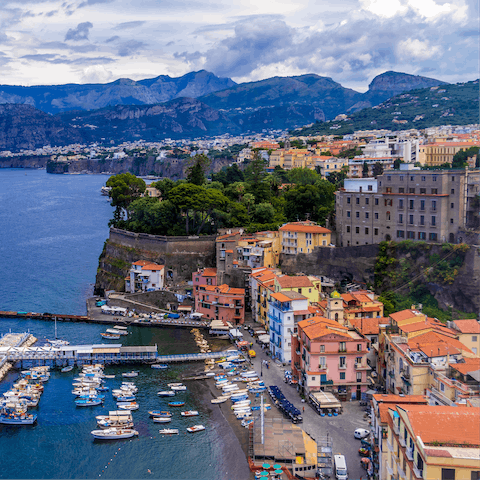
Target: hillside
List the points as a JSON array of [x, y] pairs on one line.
[[60, 98], [445, 105]]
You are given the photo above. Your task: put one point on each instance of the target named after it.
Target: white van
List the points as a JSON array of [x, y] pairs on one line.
[[340, 467]]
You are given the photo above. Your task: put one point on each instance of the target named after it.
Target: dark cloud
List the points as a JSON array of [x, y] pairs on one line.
[[79, 33], [169, 44], [112, 39], [88, 3], [125, 25], [130, 47], [51, 13], [63, 59], [65, 46]]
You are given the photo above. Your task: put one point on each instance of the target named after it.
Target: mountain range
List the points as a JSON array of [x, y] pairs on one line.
[[194, 105]]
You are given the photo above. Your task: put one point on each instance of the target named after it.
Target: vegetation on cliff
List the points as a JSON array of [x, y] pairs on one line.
[[252, 199]]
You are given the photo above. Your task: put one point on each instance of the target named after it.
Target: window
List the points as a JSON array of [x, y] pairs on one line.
[[411, 190], [448, 474], [452, 191], [388, 190], [411, 235], [343, 347], [434, 204], [366, 215], [400, 218], [434, 178], [357, 229], [452, 205], [411, 204], [434, 191], [322, 348], [375, 231], [422, 219], [401, 190], [370, 188], [366, 231], [401, 178], [348, 200], [359, 377], [451, 220], [400, 203], [434, 220], [348, 228], [376, 215], [322, 361], [423, 178], [348, 213], [475, 475], [389, 178], [376, 201], [442, 387], [400, 234], [387, 216], [367, 201], [357, 200], [423, 191], [359, 347], [410, 219], [433, 237], [357, 214], [343, 362], [313, 378], [422, 204], [412, 178], [474, 338]]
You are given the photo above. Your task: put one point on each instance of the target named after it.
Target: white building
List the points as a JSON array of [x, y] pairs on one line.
[[285, 310], [145, 276]]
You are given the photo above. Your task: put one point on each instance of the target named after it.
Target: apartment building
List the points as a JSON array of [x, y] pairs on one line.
[[468, 333], [303, 237], [145, 276], [438, 153], [356, 165], [204, 276], [329, 356], [433, 443], [309, 286], [221, 303], [426, 205], [262, 284]]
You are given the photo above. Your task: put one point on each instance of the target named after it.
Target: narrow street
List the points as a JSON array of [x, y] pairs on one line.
[[340, 429]]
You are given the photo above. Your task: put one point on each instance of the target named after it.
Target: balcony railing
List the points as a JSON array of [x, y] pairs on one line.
[[342, 367], [401, 471], [326, 382], [418, 473], [396, 428], [409, 453], [402, 442], [389, 445]]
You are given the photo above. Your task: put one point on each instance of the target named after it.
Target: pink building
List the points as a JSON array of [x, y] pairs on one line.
[[221, 303], [204, 276], [329, 356]]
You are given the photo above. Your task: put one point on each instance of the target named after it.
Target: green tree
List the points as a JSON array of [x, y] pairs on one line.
[[377, 169], [164, 186], [389, 301], [303, 176], [248, 200], [256, 171], [396, 164], [197, 168], [460, 158], [125, 189], [234, 174], [264, 213], [365, 170]]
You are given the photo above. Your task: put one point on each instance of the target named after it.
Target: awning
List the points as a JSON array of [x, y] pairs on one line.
[[196, 315], [264, 338], [236, 333], [243, 343]]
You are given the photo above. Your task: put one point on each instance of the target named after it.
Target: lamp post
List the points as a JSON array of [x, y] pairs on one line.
[[261, 369]]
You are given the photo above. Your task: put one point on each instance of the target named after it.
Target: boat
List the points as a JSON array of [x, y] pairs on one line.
[[162, 419], [105, 191], [178, 384], [195, 428], [114, 433], [159, 366], [122, 328], [127, 405], [67, 369], [179, 388], [176, 404], [166, 393], [103, 388], [88, 402], [159, 413], [133, 373], [189, 413], [126, 398], [110, 336], [15, 414], [114, 331], [109, 376], [219, 400], [168, 431]]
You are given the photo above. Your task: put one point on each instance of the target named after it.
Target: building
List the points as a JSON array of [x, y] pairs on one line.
[[262, 249], [356, 165], [221, 302], [261, 284], [303, 237], [204, 276], [469, 333], [425, 205], [425, 442], [145, 276], [329, 356], [309, 286], [438, 153], [285, 310]]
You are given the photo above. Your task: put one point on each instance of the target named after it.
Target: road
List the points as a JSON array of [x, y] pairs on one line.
[[340, 429]]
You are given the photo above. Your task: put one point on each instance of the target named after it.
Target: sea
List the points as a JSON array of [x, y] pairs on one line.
[[52, 231]]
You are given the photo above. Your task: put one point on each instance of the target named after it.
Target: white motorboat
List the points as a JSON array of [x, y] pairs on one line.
[[114, 433], [166, 393], [195, 428], [162, 419], [127, 405], [189, 413], [178, 384], [168, 431], [133, 373], [109, 376], [219, 400], [179, 388]]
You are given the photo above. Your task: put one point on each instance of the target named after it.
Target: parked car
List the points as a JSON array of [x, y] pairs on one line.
[[361, 433]]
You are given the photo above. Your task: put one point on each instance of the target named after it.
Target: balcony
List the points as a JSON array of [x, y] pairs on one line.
[[358, 366], [418, 473], [389, 445], [402, 441], [396, 428], [401, 471], [409, 453], [342, 367], [326, 382]]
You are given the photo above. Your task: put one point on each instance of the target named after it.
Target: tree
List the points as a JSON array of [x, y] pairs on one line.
[[234, 174], [396, 164], [461, 157], [256, 171], [264, 213], [197, 168], [365, 170], [125, 189], [248, 200], [164, 186], [377, 169], [302, 176]]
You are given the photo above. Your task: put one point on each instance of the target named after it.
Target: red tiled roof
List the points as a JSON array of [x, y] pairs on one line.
[[209, 272], [470, 365], [141, 262], [366, 326], [153, 266], [396, 399], [305, 227], [468, 326], [296, 281]]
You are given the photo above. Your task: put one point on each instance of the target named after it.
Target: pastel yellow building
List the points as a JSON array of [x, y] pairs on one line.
[[300, 284], [434, 154], [433, 443], [303, 237]]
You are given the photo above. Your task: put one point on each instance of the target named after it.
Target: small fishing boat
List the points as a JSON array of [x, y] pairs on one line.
[[179, 388], [103, 388], [210, 374], [133, 373], [178, 384], [67, 369], [159, 413], [110, 336], [168, 431], [115, 331], [195, 428], [162, 419], [189, 413], [159, 366], [114, 433], [127, 405], [126, 398], [166, 393], [176, 404], [219, 400], [88, 402], [109, 376]]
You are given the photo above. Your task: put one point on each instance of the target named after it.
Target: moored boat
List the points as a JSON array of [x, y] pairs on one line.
[[127, 405], [176, 404], [114, 433], [219, 400], [189, 413], [162, 419], [88, 402], [67, 369], [110, 336], [195, 428], [168, 431], [133, 373], [159, 413], [159, 366], [179, 388], [166, 393]]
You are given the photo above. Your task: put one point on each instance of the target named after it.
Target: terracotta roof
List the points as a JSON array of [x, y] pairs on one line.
[[224, 289], [280, 297], [444, 425], [366, 326], [301, 312], [288, 296], [296, 281], [406, 314], [397, 399], [470, 365], [467, 326], [228, 251], [305, 227], [141, 262], [153, 266], [431, 341], [209, 272]]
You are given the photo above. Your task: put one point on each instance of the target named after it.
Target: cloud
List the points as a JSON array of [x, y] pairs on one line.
[[96, 74], [130, 47], [418, 49], [89, 3], [79, 33], [125, 25], [112, 39], [65, 46], [63, 59]]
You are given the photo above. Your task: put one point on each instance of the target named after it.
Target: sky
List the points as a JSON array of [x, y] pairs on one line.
[[46, 42]]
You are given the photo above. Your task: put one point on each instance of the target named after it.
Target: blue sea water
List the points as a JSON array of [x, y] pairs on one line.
[[52, 232]]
